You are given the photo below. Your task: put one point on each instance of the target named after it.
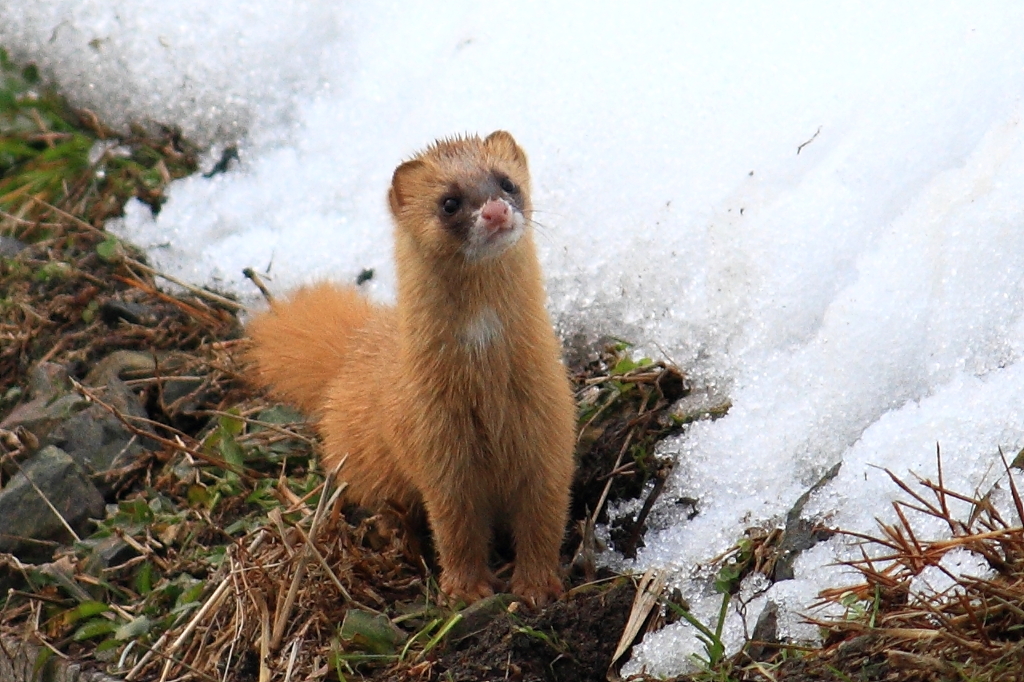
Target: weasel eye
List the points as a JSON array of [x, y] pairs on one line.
[[450, 205], [508, 186]]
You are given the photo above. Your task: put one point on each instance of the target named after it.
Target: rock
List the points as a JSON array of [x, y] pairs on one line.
[[96, 439], [706, 403], [100, 553], [122, 364], [31, 529], [88, 432], [21, 661], [10, 247], [127, 364], [766, 634], [52, 402], [800, 534], [112, 311]]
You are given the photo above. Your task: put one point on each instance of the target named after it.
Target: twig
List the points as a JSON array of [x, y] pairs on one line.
[[261, 606], [211, 604], [1018, 505], [285, 605], [942, 494], [608, 485], [285, 608], [251, 274], [256, 422], [629, 550], [64, 214], [293, 656], [249, 475], [23, 221], [198, 291], [240, 613], [151, 651], [190, 310], [800, 148]]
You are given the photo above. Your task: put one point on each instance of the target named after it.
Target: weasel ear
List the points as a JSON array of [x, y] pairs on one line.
[[504, 142], [401, 184]]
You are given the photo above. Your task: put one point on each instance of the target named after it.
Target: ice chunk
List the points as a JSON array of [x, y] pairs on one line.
[[943, 581]]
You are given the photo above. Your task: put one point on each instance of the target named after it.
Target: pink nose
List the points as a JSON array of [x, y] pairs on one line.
[[495, 213]]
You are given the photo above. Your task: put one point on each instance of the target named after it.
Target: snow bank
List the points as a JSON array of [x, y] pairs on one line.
[[815, 208]]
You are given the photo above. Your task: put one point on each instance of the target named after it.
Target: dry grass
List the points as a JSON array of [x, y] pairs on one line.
[[974, 630]]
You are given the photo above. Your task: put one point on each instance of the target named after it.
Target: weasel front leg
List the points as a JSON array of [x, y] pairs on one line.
[[462, 535], [538, 525]]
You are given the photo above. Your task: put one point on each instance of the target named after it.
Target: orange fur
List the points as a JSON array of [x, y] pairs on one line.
[[455, 398]]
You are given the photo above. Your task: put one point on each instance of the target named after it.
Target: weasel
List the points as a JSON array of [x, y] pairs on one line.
[[456, 398]]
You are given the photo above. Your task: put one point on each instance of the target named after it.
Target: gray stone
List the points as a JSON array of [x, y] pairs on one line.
[[765, 635], [801, 534], [707, 403], [52, 402], [112, 311], [10, 247], [31, 530], [102, 553], [90, 433], [96, 439], [19, 662], [120, 365]]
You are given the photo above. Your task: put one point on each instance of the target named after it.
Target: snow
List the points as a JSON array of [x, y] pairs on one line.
[[813, 208], [939, 583]]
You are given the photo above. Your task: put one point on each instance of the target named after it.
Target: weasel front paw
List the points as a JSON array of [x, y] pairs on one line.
[[537, 591], [460, 588]]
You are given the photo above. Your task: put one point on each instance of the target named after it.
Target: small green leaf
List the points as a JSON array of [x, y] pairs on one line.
[[242, 526], [109, 249], [624, 365], [133, 628], [51, 271], [86, 609], [89, 313], [371, 632], [42, 658], [280, 414], [31, 74], [728, 577], [191, 594], [108, 644], [144, 579], [94, 628], [199, 496], [232, 452], [231, 424]]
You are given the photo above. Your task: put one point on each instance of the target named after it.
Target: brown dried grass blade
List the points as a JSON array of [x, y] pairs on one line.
[[189, 310], [648, 594], [1018, 505]]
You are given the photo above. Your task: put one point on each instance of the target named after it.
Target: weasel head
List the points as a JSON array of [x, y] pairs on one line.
[[464, 196]]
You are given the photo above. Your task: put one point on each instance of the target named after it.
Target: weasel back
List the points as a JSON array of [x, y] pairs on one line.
[[301, 343]]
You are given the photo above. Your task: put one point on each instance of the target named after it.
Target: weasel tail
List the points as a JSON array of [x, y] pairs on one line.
[[300, 345], [455, 400]]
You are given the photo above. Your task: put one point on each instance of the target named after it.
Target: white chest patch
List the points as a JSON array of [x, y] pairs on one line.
[[481, 331]]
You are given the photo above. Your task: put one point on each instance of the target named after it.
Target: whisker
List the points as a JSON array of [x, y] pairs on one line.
[[537, 223], [540, 227], [541, 230]]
